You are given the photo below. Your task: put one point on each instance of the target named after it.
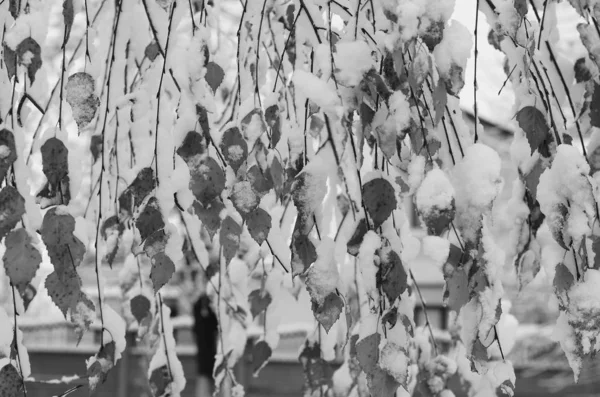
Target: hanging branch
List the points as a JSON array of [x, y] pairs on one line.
[[158, 96]]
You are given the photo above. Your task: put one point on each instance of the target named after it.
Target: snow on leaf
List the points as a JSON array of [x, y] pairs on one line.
[[261, 352], [140, 307], [353, 245], [391, 274], [21, 259], [162, 270], [259, 301], [209, 215], [81, 96], [8, 152], [328, 312], [367, 352], [208, 180], [274, 123], [143, 184], [595, 106], [100, 365], [380, 200], [214, 75], [259, 225], [68, 16], [244, 198], [229, 238], [234, 148], [533, 122], [12, 208], [150, 220], [160, 380], [563, 279], [29, 54], [193, 146], [11, 382]]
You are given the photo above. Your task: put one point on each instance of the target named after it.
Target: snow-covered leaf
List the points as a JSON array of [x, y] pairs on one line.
[[143, 184], [259, 301], [214, 75], [244, 198], [68, 16], [391, 275], [259, 225], [140, 307], [261, 352], [150, 219], [12, 208], [162, 270], [229, 238], [533, 122], [81, 96], [328, 312], [11, 382], [234, 148], [21, 259], [8, 152], [209, 215], [367, 352], [380, 200]]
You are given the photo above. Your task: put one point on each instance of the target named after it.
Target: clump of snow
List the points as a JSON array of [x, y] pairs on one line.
[[322, 277], [437, 249], [353, 59]]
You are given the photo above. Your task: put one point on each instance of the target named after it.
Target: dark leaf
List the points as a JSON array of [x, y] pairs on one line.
[[143, 184], [380, 200], [160, 378], [563, 278], [8, 152], [229, 238], [68, 15], [21, 259], [234, 148], [261, 352], [140, 307], [244, 198], [11, 382], [162, 270], [209, 215], [259, 225], [367, 352], [533, 122], [150, 220], [214, 75], [152, 50], [329, 311], [29, 54], [258, 301], [391, 275], [12, 208]]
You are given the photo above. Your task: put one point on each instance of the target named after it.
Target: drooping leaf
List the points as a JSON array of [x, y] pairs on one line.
[[8, 152], [367, 352], [379, 198], [214, 75], [209, 215], [208, 180], [11, 382], [259, 225], [259, 301], [162, 270], [81, 96], [392, 277], [261, 352], [68, 16], [160, 380], [143, 184], [234, 148], [329, 311], [29, 54], [12, 208], [244, 198], [150, 220], [274, 123], [533, 123], [21, 259], [140, 307], [229, 238]]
